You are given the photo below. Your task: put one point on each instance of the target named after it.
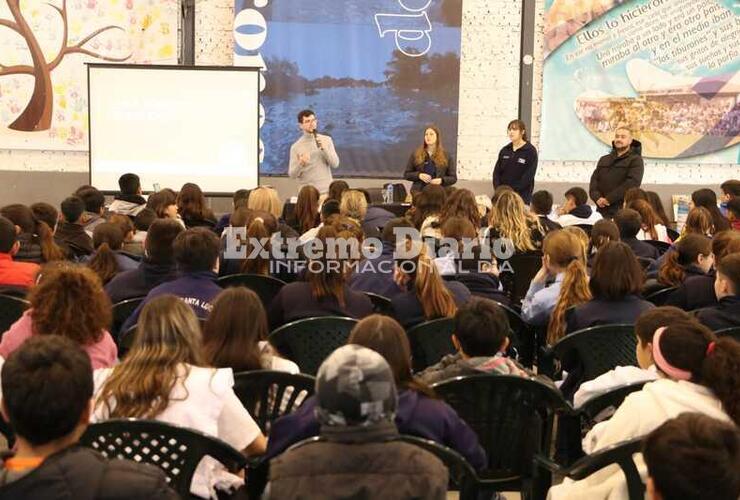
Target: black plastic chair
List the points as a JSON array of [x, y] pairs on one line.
[[672, 234], [430, 341], [645, 262], [309, 341], [662, 246], [266, 287], [620, 454], [594, 407], [269, 394], [658, 298], [733, 333], [381, 305], [598, 349], [121, 312], [11, 310], [175, 450], [524, 267], [514, 420]]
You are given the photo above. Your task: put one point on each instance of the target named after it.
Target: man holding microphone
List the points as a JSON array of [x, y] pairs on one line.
[[313, 155]]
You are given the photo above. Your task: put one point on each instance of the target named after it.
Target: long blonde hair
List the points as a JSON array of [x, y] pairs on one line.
[[565, 249], [353, 204], [167, 337], [436, 300], [265, 199], [510, 217]]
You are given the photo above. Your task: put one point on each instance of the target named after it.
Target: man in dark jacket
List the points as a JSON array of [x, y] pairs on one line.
[[46, 462], [616, 172], [196, 254], [157, 267], [359, 455], [727, 288], [70, 233]]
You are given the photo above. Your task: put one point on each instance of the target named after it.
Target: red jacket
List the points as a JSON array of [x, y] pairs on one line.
[[21, 274]]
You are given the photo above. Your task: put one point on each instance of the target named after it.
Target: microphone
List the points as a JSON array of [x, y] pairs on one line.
[[315, 138]]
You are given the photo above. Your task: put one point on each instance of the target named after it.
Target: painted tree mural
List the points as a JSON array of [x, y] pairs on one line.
[[38, 113]]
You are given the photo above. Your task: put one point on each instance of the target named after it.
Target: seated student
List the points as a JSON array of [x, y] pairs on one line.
[[329, 208], [629, 223], [127, 227], [356, 402], [461, 203], [323, 293], [419, 413], [728, 190], [542, 206], [693, 457], [698, 373], [235, 334], [70, 235], [196, 254], [192, 207], [657, 206], [561, 282], [576, 210], [602, 232], [336, 189], [375, 217], [141, 225], [691, 256], [129, 200], [94, 207], [239, 199], [733, 213], [698, 221], [157, 266], [645, 326], [727, 288], [34, 235], [305, 215], [652, 227], [13, 275], [266, 199], [376, 275], [697, 290], [46, 461], [253, 226], [108, 259], [425, 294], [427, 209], [164, 377], [481, 338], [354, 205], [707, 198], [164, 204], [509, 219], [68, 301]]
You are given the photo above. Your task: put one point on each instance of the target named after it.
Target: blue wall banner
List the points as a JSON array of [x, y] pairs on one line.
[[667, 69], [374, 71]]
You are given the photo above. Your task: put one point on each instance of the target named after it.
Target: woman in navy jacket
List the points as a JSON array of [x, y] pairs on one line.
[[430, 163], [517, 162], [418, 413]]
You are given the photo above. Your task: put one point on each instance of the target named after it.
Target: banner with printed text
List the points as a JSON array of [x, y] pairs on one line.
[[374, 71], [667, 69]]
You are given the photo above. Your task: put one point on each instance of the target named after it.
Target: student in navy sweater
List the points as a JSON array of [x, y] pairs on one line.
[[629, 223], [727, 288], [516, 165], [196, 255]]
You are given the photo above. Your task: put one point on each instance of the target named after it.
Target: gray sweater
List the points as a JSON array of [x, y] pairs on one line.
[[317, 172]]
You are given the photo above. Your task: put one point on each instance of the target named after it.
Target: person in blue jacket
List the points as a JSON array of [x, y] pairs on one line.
[[516, 165], [418, 412]]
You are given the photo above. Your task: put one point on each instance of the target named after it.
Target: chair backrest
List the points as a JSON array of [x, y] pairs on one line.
[[269, 394], [11, 309], [611, 399], [600, 348], [672, 234], [662, 246], [659, 298], [523, 268], [620, 454], [381, 305], [733, 333], [308, 342], [175, 450], [121, 312], [430, 341], [266, 287], [512, 416]]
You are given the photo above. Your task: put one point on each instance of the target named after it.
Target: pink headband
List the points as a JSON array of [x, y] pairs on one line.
[[662, 363]]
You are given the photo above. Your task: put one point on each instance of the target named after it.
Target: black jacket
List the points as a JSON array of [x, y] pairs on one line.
[[642, 249], [447, 173], [614, 175], [548, 225], [84, 474], [516, 169], [697, 291], [74, 240], [724, 315], [138, 282]]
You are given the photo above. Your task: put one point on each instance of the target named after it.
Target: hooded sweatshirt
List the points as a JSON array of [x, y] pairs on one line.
[[582, 214], [454, 365], [128, 204], [641, 413]]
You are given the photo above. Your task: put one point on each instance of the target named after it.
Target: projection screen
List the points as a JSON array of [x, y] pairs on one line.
[[173, 124]]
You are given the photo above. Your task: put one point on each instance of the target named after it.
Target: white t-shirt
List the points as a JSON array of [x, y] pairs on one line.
[[206, 402]]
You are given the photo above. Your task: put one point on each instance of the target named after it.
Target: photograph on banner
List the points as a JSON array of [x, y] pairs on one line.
[[667, 69], [43, 50], [375, 72]]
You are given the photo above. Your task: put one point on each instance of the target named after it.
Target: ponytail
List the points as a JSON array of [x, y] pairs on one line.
[[50, 251], [671, 273], [690, 351], [104, 263], [573, 291], [436, 300], [686, 253], [258, 264]]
